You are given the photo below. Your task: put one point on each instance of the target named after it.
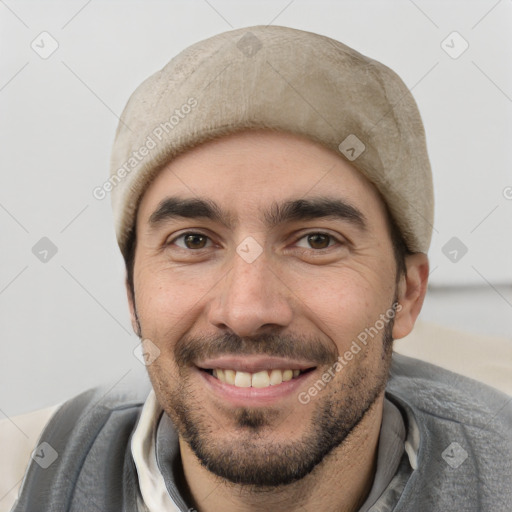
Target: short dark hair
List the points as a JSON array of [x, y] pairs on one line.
[[400, 248], [400, 251]]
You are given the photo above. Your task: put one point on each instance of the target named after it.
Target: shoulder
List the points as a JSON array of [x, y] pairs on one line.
[[18, 439], [443, 393], [462, 376], [462, 438], [19, 435]]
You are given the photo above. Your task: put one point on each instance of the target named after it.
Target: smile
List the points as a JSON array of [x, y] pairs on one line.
[[260, 379], [255, 379]]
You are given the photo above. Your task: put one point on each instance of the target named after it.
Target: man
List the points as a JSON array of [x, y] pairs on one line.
[[273, 202]]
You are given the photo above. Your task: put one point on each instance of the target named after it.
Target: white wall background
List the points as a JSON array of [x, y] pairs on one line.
[[64, 323]]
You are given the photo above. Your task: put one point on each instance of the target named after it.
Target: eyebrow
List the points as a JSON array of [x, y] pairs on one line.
[[278, 213]]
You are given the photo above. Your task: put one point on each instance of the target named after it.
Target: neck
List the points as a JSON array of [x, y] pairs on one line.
[[341, 482]]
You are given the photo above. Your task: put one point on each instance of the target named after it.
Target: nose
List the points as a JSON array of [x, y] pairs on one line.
[[251, 299]]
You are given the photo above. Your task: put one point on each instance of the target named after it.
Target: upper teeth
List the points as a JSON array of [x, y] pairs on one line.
[[261, 379]]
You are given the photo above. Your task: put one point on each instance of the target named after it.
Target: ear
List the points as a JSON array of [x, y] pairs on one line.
[[131, 304], [411, 293]]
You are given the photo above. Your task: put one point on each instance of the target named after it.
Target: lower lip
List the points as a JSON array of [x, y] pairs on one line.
[[253, 397]]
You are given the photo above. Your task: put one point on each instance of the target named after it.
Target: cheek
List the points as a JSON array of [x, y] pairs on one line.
[[167, 299], [341, 303]]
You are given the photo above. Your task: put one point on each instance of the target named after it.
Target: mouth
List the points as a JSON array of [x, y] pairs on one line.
[[260, 379], [253, 380]]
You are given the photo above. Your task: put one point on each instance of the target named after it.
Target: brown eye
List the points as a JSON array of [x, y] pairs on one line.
[[318, 240], [192, 241], [195, 241]]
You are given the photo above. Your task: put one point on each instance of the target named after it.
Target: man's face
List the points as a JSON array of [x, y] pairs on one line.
[[277, 273]]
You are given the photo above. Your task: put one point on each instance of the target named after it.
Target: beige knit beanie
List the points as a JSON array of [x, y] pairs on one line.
[[285, 79]]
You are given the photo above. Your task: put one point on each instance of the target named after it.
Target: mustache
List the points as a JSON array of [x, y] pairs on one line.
[[190, 349]]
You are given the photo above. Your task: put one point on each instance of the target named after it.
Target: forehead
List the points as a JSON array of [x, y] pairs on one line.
[[248, 171]]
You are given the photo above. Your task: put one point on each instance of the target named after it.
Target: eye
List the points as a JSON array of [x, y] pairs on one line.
[[317, 241], [191, 241]]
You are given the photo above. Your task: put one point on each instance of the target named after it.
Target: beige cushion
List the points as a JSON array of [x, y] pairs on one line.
[[484, 358]]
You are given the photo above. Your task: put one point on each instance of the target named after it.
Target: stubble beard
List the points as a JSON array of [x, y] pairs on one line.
[[252, 456]]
